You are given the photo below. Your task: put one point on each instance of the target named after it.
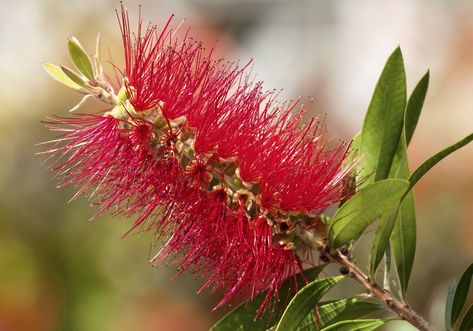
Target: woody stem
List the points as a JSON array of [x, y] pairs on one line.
[[403, 310]]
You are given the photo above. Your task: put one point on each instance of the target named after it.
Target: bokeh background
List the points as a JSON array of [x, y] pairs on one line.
[[59, 271]]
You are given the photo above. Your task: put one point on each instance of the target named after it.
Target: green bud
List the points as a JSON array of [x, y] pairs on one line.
[[122, 94], [119, 111]]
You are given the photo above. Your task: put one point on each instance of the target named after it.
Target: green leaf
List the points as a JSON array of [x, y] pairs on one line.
[[308, 324], [73, 76], [467, 323], [448, 305], [80, 58], [403, 234], [381, 238], [461, 293], [243, 317], [399, 225], [403, 241], [58, 74], [356, 325], [345, 309], [384, 119], [304, 302], [414, 106], [427, 165], [331, 312], [363, 209]]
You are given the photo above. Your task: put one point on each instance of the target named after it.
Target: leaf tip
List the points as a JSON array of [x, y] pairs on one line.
[[427, 76], [398, 51], [46, 65]]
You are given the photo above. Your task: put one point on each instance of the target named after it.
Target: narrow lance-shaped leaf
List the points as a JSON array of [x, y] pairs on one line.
[[404, 234], [331, 312], [80, 58], [58, 74], [345, 309], [384, 119], [364, 208], [73, 76], [356, 325], [414, 106], [381, 238], [304, 302], [403, 237], [448, 305], [308, 324], [403, 215], [243, 317], [467, 322], [403, 241], [427, 165], [461, 294]]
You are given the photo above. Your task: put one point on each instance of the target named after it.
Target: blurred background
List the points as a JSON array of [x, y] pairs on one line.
[[58, 271]]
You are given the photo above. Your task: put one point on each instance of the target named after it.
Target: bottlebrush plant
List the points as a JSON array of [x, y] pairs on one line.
[[235, 183]]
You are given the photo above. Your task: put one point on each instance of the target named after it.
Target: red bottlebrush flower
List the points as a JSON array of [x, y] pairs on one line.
[[110, 164], [205, 157], [232, 252], [301, 174], [88, 149], [160, 68], [199, 172]]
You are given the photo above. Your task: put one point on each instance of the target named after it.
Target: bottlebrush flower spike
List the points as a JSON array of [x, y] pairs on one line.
[[160, 68], [196, 151]]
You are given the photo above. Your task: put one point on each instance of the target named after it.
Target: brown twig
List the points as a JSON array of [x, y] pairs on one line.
[[400, 308]]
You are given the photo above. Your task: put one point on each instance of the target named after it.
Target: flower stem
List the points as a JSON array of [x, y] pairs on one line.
[[402, 309]]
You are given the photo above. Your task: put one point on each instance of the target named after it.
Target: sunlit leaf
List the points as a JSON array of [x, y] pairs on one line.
[[363, 209], [345, 309], [304, 302], [414, 106], [331, 312], [58, 74], [308, 324], [384, 120], [80, 58], [242, 317], [356, 325], [73, 76]]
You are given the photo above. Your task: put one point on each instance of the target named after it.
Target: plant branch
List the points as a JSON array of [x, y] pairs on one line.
[[402, 309]]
